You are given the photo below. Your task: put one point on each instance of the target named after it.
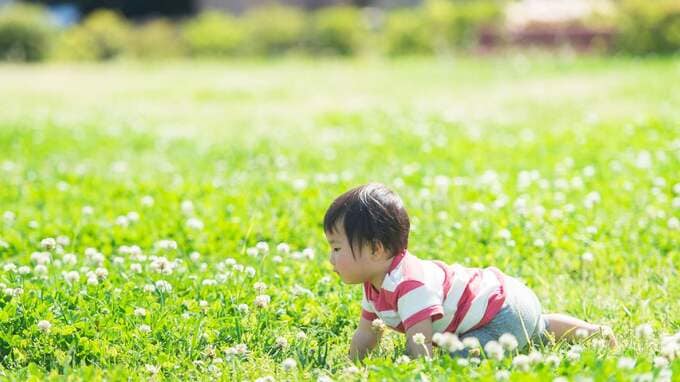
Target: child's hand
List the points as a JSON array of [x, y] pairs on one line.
[[419, 339], [365, 339]]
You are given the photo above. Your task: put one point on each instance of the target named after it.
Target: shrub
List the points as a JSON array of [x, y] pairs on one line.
[[213, 33], [274, 29], [103, 35], [458, 24], [336, 30], [25, 33], [407, 33], [158, 38], [649, 27]]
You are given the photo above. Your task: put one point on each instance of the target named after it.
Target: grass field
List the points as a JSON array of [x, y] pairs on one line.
[[564, 172]]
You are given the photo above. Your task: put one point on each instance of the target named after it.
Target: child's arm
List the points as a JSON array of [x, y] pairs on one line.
[[364, 339], [414, 347]]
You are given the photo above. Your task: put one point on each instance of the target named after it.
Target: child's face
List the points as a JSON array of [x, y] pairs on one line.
[[350, 270]]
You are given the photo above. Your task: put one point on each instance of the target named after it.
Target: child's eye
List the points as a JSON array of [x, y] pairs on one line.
[[336, 249]]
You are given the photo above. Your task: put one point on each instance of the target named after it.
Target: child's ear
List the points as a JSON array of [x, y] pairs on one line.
[[377, 248]]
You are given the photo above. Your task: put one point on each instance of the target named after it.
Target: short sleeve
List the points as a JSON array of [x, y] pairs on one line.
[[417, 302], [367, 310]]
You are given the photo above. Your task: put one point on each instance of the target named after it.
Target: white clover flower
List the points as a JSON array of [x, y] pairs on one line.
[[573, 355], [136, 267], [450, 342], [281, 342], [72, 277], [262, 247], [267, 378], [187, 207], [660, 362], [4, 244], [195, 224], [40, 269], [587, 257], [243, 308], [418, 338], [252, 251], [308, 253], [378, 325], [644, 331], [144, 328], [203, 304], [101, 273], [674, 223], [209, 282], [301, 336], [92, 281], [471, 342], [152, 369], [535, 357], [298, 290], [324, 378], [508, 341], [553, 360], [521, 362], [162, 265], [163, 286], [147, 201], [48, 243], [132, 216], [283, 248], [591, 199], [69, 258], [166, 244], [278, 259], [504, 234], [140, 312], [44, 326], [241, 348], [87, 210], [63, 240], [259, 287], [351, 370], [670, 346], [24, 270], [502, 375], [494, 350], [33, 224], [665, 375], [250, 271], [463, 362], [402, 359], [262, 301], [9, 217], [41, 257], [9, 267], [626, 363], [288, 364], [644, 377], [123, 221], [194, 256]]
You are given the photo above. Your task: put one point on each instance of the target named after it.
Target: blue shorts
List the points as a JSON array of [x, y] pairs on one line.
[[520, 316]]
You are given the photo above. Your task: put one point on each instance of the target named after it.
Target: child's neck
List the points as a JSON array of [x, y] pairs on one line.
[[379, 277]]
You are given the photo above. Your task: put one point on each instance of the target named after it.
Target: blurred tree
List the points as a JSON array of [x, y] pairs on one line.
[[132, 8]]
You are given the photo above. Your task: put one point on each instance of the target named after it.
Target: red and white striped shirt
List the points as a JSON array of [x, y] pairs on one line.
[[457, 298]]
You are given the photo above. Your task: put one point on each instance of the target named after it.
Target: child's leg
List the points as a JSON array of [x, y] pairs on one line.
[[562, 326]]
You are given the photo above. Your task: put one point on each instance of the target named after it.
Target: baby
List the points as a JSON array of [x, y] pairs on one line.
[[367, 228]]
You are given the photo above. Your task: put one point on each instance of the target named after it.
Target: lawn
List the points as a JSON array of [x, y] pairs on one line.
[[145, 207]]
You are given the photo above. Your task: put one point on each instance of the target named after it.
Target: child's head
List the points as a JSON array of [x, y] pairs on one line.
[[370, 220]]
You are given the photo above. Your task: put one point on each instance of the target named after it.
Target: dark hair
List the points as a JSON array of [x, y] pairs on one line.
[[370, 213]]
